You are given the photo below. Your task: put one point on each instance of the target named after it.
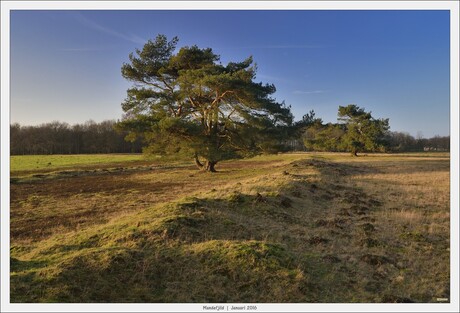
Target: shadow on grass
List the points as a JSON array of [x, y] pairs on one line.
[[20, 266]]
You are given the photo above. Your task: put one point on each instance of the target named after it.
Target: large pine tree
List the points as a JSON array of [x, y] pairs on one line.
[[188, 102]]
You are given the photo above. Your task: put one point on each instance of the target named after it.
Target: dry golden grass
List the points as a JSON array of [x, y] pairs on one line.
[[287, 228]]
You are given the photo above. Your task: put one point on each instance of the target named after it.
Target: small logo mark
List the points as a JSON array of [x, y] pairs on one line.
[[442, 299]]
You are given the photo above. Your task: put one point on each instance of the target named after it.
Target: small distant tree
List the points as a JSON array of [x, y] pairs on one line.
[[189, 103], [363, 132]]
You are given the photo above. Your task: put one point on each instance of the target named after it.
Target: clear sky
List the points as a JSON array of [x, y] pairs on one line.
[[65, 65]]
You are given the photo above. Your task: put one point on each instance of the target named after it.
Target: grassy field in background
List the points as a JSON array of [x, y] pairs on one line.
[[307, 227], [20, 163]]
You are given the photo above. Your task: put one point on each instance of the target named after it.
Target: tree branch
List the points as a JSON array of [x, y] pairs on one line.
[[153, 84]]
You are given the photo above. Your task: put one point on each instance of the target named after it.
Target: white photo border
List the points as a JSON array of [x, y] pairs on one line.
[[8, 6]]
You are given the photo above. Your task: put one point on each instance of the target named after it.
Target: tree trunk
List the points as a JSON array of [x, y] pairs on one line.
[[208, 166]]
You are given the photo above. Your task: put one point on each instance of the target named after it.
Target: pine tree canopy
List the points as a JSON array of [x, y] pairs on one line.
[[189, 102]]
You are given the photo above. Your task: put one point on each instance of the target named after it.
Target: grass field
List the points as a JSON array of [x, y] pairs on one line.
[[24, 163], [318, 227]]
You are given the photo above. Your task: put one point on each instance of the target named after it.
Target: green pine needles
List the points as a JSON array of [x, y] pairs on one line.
[[189, 103]]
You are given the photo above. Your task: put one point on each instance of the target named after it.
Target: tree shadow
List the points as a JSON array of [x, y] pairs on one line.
[[20, 266]]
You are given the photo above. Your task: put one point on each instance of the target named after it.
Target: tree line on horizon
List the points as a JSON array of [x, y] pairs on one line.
[[61, 138], [92, 137]]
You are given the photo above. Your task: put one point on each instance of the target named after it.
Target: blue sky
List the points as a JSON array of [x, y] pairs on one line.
[[65, 65]]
